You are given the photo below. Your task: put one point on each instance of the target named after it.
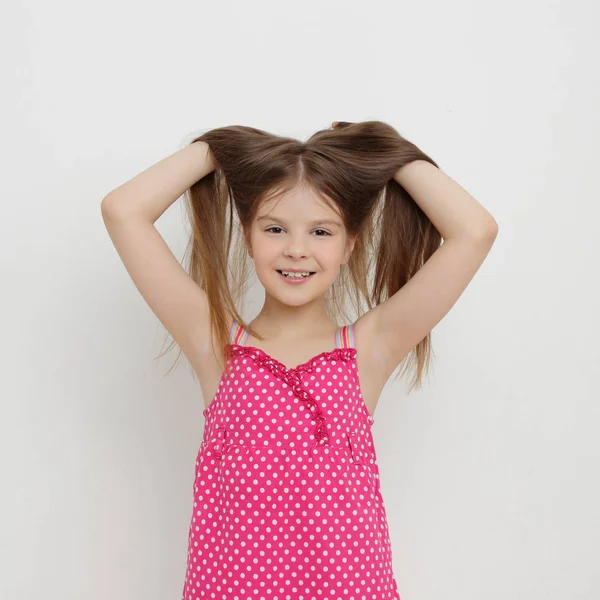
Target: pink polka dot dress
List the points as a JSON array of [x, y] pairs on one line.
[[287, 502]]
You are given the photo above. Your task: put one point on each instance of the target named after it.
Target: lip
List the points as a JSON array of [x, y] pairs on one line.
[[293, 280]]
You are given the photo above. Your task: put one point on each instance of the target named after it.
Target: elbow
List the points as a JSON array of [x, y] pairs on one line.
[[483, 234], [121, 207], [491, 231], [113, 207], [488, 230], [108, 208]]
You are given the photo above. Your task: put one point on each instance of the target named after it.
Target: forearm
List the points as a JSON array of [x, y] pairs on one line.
[[150, 193], [451, 209]]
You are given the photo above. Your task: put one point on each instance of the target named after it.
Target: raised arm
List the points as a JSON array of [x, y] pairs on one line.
[[397, 325], [149, 194], [129, 213]]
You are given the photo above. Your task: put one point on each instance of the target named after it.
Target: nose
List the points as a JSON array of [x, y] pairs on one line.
[[296, 247]]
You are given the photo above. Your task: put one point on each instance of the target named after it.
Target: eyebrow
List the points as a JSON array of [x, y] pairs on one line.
[[314, 222]]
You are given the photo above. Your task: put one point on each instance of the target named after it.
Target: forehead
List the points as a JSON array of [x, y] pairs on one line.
[[301, 204]]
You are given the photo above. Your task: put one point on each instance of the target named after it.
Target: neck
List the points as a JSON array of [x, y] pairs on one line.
[[293, 324]]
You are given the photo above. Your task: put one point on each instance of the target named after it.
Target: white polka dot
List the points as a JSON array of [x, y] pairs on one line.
[[278, 514]]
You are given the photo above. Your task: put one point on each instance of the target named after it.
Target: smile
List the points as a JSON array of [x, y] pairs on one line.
[[295, 280]]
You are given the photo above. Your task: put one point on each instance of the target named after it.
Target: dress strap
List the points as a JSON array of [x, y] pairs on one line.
[[344, 336], [237, 334]]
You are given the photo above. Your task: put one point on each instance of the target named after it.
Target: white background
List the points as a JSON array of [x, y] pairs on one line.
[[490, 473]]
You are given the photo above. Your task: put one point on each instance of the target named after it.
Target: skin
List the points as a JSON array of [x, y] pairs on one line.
[[288, 239], [384, 335]]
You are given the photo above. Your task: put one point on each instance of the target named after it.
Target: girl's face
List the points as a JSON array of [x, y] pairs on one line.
[[298, 231]]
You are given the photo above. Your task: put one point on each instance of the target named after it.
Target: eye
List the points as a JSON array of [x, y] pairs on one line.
[[269, 229]]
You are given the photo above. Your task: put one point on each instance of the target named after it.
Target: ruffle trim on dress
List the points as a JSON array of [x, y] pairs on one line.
[[292, 377]]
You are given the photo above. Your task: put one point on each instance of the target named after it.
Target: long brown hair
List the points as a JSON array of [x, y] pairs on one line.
[[351, 167]]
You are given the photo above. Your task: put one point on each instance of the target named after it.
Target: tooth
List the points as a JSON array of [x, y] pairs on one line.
[[295, 275]]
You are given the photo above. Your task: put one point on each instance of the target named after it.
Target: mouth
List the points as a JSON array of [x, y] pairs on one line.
[[295, 280], [298, 278]]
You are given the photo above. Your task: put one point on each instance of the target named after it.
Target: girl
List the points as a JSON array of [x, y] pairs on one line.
[[287, 500]]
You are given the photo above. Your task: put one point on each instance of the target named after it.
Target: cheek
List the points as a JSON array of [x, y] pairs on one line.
[[265, 247], [265, 253]]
